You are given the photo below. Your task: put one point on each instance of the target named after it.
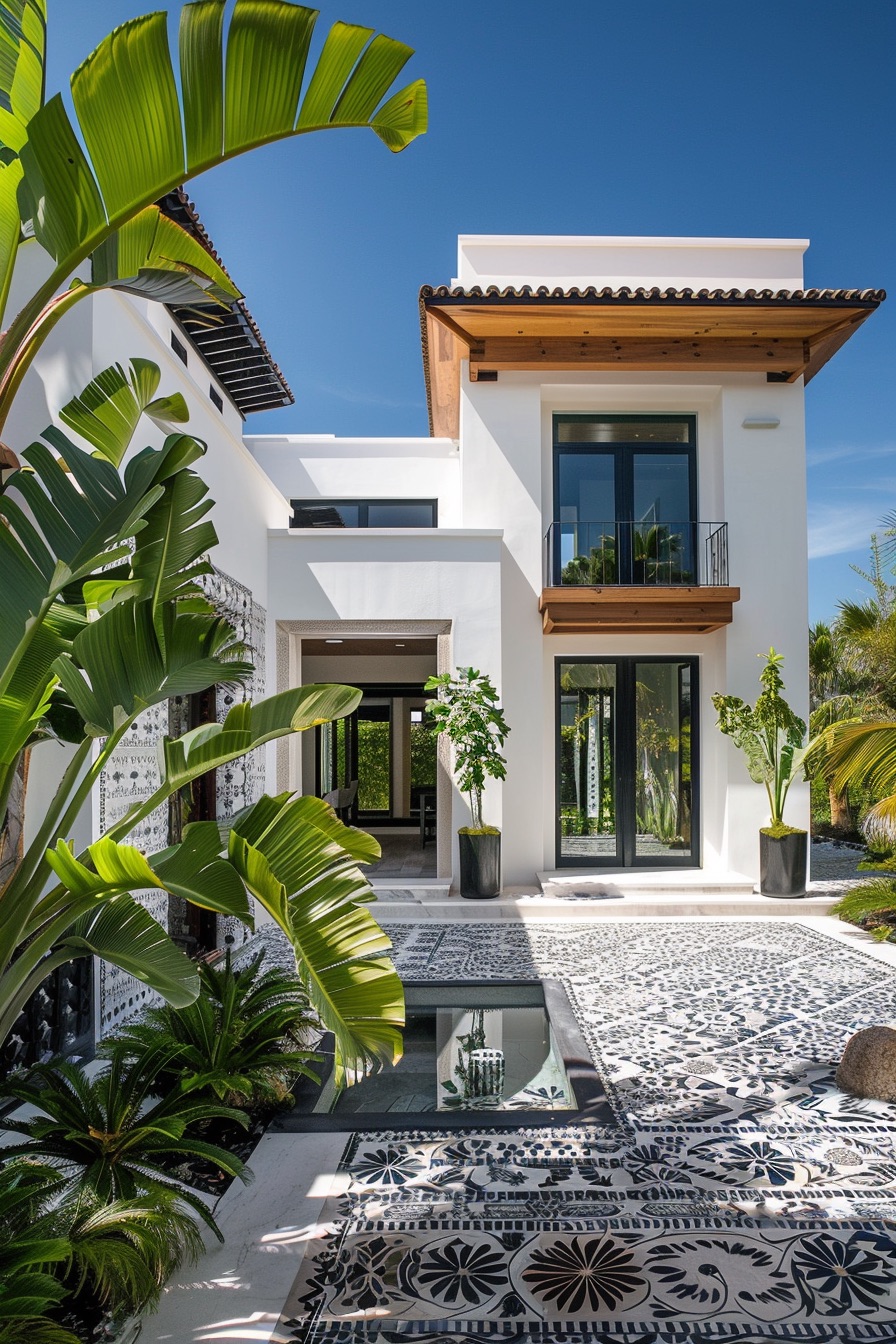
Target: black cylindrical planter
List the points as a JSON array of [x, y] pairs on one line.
[[782, 864], [480, 865]]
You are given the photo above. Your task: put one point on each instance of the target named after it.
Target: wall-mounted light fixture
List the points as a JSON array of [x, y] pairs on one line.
[[761, 422], [333, 641]]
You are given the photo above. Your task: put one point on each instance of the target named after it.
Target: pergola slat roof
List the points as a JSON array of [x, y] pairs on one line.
[[784, 334], [228, 339]]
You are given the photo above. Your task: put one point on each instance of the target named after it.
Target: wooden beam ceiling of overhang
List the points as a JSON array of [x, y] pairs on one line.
[[784, 342]]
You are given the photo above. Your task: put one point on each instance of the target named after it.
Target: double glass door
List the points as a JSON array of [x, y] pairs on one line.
[[627, 762], [625, 500]]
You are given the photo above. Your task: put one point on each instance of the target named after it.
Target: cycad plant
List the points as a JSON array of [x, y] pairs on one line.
[[63, 1252], [31, 1252], [112, 1136], [241, 1042]]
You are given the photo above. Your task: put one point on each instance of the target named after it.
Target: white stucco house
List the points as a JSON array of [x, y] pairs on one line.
[[608, 518]]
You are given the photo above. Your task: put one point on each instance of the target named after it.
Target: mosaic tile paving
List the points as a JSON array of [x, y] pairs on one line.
[[740, 1196]]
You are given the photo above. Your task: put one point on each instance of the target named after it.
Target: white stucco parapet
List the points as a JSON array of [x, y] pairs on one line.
[[694, 263]]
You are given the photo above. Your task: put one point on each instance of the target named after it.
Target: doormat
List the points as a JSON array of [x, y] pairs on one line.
[[740, 1196]]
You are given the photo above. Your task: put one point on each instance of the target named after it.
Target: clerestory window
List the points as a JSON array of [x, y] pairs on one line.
[[364, 513]]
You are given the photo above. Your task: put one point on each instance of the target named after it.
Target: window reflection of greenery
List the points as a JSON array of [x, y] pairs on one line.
[[663, 737], [655, 559]]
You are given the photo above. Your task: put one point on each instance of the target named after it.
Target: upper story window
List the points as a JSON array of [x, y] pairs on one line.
[[625, 497], [364, 513]]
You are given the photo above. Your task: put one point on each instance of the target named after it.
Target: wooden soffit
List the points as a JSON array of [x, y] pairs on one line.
[[643, 611], [784, 334]]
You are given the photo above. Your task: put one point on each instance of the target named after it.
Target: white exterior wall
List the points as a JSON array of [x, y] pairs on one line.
[[412, 575], [753, 479]]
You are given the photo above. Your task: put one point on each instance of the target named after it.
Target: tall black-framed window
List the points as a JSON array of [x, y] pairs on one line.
[[364, 513], [627, 781], [625, 499]]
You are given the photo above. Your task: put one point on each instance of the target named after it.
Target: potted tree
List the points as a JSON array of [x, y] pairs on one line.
[[773, 740], [467, 711]]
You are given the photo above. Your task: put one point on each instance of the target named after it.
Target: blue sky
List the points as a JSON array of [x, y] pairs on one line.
[[774, 118]]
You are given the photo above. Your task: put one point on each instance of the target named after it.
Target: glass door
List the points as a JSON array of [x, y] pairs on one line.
[[588, 749], [626, 763], [663, 762], [625, 500]]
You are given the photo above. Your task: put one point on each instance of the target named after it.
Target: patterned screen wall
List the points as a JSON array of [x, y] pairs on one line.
[[133, 775]]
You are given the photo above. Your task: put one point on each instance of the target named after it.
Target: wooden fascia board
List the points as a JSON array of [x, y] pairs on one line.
[[826, 344], [443, 354], [636, 610]]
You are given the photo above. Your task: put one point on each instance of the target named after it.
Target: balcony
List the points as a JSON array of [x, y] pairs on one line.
[[622, 577]]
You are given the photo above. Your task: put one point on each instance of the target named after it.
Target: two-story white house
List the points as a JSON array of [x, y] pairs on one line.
[[609, 518]]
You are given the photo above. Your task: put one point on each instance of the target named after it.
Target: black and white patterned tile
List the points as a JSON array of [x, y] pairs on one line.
[[741, 1196]]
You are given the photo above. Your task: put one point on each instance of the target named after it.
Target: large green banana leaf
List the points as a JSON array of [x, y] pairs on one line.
[[146, 128], [248, 726], [132, 657], [108, 411], [193, 870], [65, 528], [23, 31], [300, 863]]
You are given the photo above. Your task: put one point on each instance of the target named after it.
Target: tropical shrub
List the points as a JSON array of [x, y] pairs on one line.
[[241, 1042], [72, 1259], [771, 736], [112, 1137], [467, 711], [871, 905], [103, 617], [30, 1253]]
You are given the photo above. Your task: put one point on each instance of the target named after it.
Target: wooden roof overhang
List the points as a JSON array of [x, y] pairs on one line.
[[784, 334]]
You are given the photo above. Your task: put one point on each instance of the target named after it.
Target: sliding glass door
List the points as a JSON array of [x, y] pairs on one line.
[[627, 762]]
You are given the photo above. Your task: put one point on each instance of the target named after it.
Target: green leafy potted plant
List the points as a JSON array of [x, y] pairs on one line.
[[773, 740], [467, 711]]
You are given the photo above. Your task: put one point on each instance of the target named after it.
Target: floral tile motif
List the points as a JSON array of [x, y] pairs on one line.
[[741, 1196]]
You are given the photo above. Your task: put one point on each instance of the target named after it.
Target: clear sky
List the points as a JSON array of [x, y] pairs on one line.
[[770, 118]]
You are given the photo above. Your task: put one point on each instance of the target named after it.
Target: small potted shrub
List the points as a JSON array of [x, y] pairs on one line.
[[467, 711], [773, 740]]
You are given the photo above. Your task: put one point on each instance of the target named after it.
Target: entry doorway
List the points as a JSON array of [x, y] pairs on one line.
[[627, 763]]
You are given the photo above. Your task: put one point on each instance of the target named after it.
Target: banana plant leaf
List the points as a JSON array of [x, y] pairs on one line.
[[192, 869], [133, 657], [248, 726], [300, 863], [144, 131], [107, 412], [126, 934], [23, 32]]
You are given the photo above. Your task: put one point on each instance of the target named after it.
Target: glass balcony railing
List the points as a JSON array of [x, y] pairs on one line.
[[595, 554]]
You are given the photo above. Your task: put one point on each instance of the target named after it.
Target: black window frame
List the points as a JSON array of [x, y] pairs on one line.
[[625, 682], [362, 505]]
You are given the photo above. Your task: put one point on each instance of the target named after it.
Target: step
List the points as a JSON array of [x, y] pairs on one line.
[[531, 906], [606, 883]]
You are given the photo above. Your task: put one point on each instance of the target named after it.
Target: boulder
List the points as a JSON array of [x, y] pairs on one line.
[[868, 1066]]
